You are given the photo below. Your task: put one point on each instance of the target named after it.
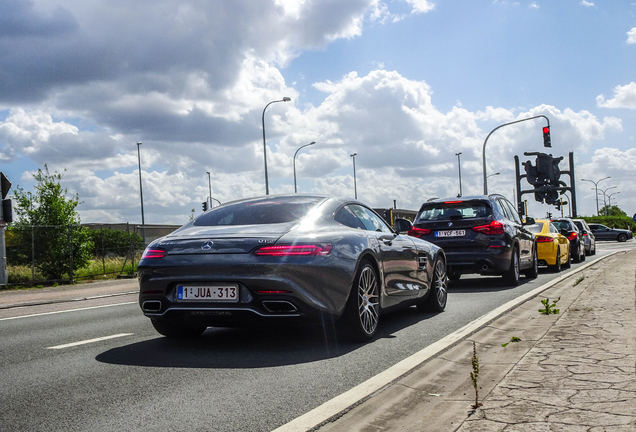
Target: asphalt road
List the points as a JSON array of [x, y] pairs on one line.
[[106, 369]]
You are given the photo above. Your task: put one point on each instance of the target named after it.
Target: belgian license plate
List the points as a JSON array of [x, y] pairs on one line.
[[450, 233], [217, 293]]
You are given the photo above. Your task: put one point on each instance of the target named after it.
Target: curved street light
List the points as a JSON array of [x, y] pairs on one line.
[[141, 195], [604, 192], [306, 145], [493, 175], [285, 99], [355, 186], [596, 189], [459, 166], [486, 140]]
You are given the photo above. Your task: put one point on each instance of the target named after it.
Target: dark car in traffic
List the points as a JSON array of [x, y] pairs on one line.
[[602, 232], [479, 234], [287, 260], [568, 228], [589, 239]]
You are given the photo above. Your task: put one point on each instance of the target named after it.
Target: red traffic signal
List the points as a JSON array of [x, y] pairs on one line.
[[546, 137]]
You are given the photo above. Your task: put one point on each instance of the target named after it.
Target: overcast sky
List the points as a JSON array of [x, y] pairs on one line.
[[405, 84]]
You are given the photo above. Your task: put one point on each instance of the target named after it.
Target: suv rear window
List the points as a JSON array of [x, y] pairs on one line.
[[453, 210]]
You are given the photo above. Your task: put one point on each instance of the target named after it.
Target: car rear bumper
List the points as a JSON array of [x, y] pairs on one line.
[[490, 261]]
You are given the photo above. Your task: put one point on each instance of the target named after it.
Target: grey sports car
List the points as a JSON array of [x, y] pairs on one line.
[[294, 258]]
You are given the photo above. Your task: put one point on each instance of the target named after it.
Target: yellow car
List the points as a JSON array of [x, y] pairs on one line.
[[553, 248]]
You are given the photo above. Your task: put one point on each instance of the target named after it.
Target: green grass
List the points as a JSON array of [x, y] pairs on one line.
[[109, 268]]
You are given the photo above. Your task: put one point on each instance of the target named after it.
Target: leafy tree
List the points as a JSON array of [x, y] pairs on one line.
[[47, 226], [611, 211]]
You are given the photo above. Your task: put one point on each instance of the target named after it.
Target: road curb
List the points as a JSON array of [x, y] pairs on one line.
[[346, 401]]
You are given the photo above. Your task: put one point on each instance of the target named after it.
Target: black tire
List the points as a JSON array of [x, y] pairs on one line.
[[436, 300], [359, 321], [454, 276], [577, 257], [593, 249], [622, 238], [568, 264], [557, 267], [175, 330], [511, 277], [533, 271]]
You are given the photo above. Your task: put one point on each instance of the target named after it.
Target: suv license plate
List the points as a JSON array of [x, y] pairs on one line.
[[450, 233], [217, 293]]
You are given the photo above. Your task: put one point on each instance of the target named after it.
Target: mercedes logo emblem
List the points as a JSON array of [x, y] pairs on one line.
[[207, 245]]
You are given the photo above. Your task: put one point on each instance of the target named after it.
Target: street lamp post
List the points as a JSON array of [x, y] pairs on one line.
[[486, 140], [490, 175], [355, 186], [285, 99], [459, 166], [596, 189], [210, 187], [306, 145], [609, 199], [141, 195], [604, 192]]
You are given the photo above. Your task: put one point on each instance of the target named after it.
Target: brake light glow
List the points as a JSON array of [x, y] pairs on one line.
[[572, 236], [494, 227], [452, 202], [295, 250], [418, 232], [154, 253], [542, 239]]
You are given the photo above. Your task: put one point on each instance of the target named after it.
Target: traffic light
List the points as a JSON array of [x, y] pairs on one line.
[[6, 213], [546, 137], [205, 206], [5, 185], [548, 168]]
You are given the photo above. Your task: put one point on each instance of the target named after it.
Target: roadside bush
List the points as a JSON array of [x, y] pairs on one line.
[[109, 242]]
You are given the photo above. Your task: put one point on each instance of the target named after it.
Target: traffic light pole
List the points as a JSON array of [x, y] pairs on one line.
[[491, 132]]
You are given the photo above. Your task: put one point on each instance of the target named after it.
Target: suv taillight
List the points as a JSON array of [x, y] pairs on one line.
[[572, 236], [494, 227], [418, 232]]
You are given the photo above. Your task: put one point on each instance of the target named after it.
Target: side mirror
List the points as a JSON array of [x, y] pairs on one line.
[[402, 225], [529, 221]]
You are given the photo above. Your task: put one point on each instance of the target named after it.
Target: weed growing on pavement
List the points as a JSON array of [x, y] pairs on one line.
[[512, 339], [579, 280], [474, 374], [549, 308]]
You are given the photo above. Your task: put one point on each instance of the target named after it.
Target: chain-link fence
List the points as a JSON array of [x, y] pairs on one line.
[[49, 254]]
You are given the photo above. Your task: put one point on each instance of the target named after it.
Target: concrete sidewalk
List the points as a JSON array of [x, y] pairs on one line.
[[67, 293], [572, 371]]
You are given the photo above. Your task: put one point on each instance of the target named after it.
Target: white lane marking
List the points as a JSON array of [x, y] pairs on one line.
[[344, 401], [84, 342], [67, 310]]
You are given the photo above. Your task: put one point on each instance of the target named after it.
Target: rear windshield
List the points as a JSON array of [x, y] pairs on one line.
[[259, 212], [535, 228], [562, 225], [455, 210]]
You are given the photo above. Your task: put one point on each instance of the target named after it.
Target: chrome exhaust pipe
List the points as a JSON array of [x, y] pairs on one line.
[[151, 306], [278, 306]]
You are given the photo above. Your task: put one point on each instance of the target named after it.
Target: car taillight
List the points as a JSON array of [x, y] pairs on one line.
[[572, 236], [294, 250], [494, 227], [542, 239], [154, 253], [418, 232]]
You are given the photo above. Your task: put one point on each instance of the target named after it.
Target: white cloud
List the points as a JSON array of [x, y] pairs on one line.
[[631, 36], [587, 3], [624, 97]]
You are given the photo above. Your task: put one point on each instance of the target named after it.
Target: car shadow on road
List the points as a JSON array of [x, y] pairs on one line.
[[245, 348]]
